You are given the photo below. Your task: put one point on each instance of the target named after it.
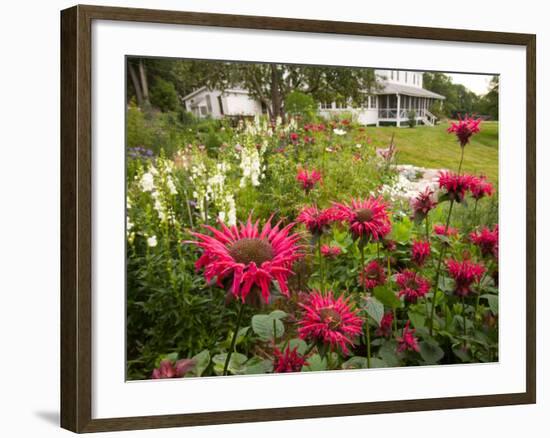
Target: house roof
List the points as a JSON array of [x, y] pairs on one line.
[[193, 93], [392, 88]]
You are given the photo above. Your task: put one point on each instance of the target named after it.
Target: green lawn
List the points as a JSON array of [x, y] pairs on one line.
[[433, 147]]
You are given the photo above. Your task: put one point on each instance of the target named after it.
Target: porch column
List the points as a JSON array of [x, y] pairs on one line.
[[398, 110]]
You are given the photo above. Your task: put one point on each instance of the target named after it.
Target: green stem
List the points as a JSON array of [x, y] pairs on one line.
[[438, 271], [367, 329], [427, 229], [234, 339], [461, 159], [321, 265], [464, 318]]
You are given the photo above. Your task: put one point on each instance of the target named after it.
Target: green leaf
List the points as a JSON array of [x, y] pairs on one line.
[[257, 365], [202, 360], [265, 325], [377, 363], [374, 308], [236, 363], [388, 353], [300, 344], [493, 302], [443, 197], [418, 320], [430, 351], [315, 363], [401, 231], [355, 363], [387, 297]]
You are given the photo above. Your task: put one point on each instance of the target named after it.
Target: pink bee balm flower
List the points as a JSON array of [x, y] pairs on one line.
[[316, 221], [440, 230], [422, 203], [464, 274], [420, 252], [464, 129], [413, 285], [168, 369], [455, 185], [289, 361], [367, 219], [385, 328], [480, 187], [308, 178], [330, 251], [294, 137], [408, 341], [249, 257], [330, 321], [487, 240], [373, 275]]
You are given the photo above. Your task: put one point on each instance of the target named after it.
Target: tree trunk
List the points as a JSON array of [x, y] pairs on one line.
[[144, 86], [135, 82], [275, 93]]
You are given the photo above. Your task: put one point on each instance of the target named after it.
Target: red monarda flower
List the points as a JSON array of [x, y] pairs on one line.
[[373, 275], [480, 187], [289, 361], [440, 230], [248, 256], [464, 274], [368, 218], [487, 240], [330, 321], [464, 129], [316, 221], [168, 369], [420, 252], [413, 285], [408, 341], [308, 178], [455, 185], [422, 203], [294, 137], [385, 328], [330, 251]]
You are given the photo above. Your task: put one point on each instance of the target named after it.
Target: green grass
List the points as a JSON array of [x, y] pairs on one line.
[[427, 146]]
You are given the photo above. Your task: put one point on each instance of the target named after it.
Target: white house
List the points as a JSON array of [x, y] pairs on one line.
[[399, 94], [217, 104]]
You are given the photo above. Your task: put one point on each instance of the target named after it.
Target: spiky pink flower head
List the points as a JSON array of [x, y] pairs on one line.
[[464, 129], [294, 137], [316, 221], [389, 245], [455, 185], [408, 341], [422, 203], [367, 218], [330, 252], [249, 257], [464, 273], [487, 240], [480, 187], [331, 321], [385, 328], [288, 361], [439, 229], [372, 275], [169, 369], [308, 178], [412, 285], [420, 251]]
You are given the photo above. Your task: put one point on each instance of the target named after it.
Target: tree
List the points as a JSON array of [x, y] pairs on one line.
[[489, 102]]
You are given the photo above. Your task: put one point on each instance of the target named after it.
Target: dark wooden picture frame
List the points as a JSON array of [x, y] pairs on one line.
[[76, 217]]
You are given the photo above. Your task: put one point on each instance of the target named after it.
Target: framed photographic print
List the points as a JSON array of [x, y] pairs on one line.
[[268, 219]]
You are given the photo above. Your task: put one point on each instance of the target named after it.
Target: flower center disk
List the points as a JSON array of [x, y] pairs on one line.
[[249, 250], [330, 317], [364, 215]]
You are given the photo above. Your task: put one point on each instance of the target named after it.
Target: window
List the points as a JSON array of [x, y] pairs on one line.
[[220, 103], [326, 105], [204, 110], [373, 102]]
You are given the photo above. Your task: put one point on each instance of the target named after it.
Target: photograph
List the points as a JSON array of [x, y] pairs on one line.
[[286, 218]]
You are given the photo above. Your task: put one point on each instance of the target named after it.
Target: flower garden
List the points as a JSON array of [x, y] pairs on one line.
[[288, 249]]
